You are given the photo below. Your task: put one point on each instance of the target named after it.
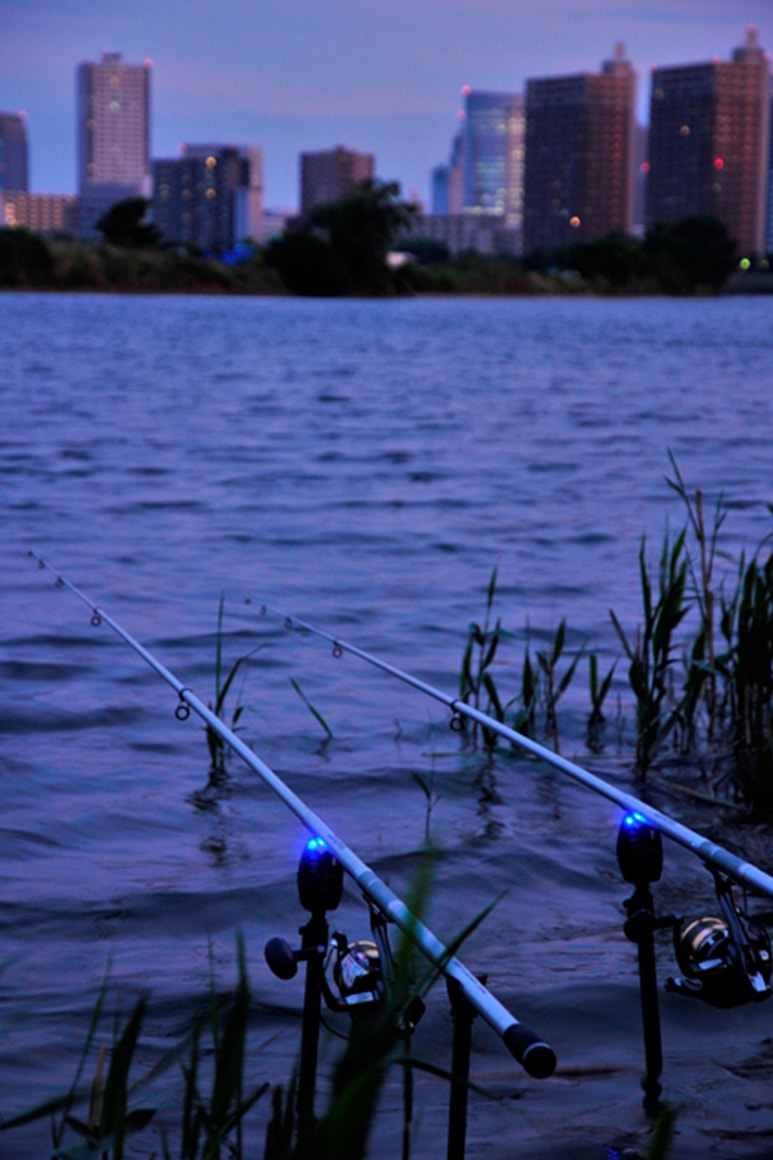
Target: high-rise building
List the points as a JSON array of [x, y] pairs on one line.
[[448, 181], [14, 165], [709, 142], [332, 173], [580, 140], [493, 155], [211, 196], [113, 135]]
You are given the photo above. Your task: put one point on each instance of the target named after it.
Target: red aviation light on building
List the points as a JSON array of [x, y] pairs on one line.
[[719, 163], [466, 90]]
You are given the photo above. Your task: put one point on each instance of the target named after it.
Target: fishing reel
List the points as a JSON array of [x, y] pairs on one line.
[[726, 961], [351, 974]]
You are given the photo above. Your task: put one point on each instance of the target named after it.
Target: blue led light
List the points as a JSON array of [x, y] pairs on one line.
[[315, 845], [634, 820]]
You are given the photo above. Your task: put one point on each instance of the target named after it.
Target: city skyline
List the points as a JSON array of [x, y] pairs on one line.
[[385, 80]]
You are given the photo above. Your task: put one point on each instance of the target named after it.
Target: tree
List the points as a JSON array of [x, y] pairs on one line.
[[362, 227], [126, 224], [308, 265], [617, 259], [696, 253]]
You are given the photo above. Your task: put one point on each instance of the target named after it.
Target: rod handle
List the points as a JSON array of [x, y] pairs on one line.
[[534, 1055]]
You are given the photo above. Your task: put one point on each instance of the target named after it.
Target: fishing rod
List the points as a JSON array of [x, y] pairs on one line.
[[529, 1049], [715, 856]]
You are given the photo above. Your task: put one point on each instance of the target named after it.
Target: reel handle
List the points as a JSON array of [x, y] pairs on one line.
[[535, 1056]]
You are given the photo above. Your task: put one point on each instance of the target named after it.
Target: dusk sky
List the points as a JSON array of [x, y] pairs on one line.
[[293, 75]]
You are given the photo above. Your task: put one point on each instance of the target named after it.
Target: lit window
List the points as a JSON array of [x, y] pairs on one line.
[[211, 162]]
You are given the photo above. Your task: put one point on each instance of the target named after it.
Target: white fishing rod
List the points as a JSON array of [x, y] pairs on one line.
[[528, 1048], [744, 873]]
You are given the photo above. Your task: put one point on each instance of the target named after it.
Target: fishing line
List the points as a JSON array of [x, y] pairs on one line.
[[528, 1048], [713, 855]]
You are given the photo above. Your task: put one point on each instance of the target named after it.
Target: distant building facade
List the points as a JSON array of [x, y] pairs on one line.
[[332, 173], [447, 181], [492, 155], [14, 160], [113, 135], [709, 144], [641, 169], [211, 196], [50, 214], [486, 234], [580, 143]]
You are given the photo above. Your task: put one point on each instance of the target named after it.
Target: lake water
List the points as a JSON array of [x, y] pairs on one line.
[[364, 465]]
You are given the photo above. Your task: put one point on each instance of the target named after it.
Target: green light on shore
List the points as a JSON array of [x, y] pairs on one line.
[[745, 264]]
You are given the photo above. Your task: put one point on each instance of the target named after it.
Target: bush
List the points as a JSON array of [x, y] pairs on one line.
[[25, 259]]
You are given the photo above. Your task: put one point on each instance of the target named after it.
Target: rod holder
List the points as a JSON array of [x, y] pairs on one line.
[[640, 856]]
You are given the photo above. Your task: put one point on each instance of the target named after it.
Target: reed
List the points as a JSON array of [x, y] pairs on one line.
[[476, 680], [599, 690], [431, 799], [651, 650], [747, 668], [700, 688], [312, 709], [555, 685], [525, 718], [218, 750]]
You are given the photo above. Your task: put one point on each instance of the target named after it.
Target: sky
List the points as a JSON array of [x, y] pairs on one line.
[[298, 75]]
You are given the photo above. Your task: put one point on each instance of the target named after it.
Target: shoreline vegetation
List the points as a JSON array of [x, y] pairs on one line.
[[369, 244]]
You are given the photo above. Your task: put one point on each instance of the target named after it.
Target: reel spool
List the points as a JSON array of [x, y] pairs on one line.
[[357, 972], [718, 970]]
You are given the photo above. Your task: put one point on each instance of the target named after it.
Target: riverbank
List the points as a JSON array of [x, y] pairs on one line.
[[28, 262]]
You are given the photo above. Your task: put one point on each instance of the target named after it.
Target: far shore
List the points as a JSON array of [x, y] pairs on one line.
[[65, 266]]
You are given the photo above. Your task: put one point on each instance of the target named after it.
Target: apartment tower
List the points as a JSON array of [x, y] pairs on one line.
[[113, 135], [580, 143], [211, 196], [331, 174], [14, 165], [709, 142]]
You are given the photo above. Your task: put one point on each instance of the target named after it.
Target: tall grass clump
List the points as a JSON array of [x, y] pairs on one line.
[[700, 689], [477, 686], [651, 651], [747, 671], [699, 662], [104, 1115], [541, 684]]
